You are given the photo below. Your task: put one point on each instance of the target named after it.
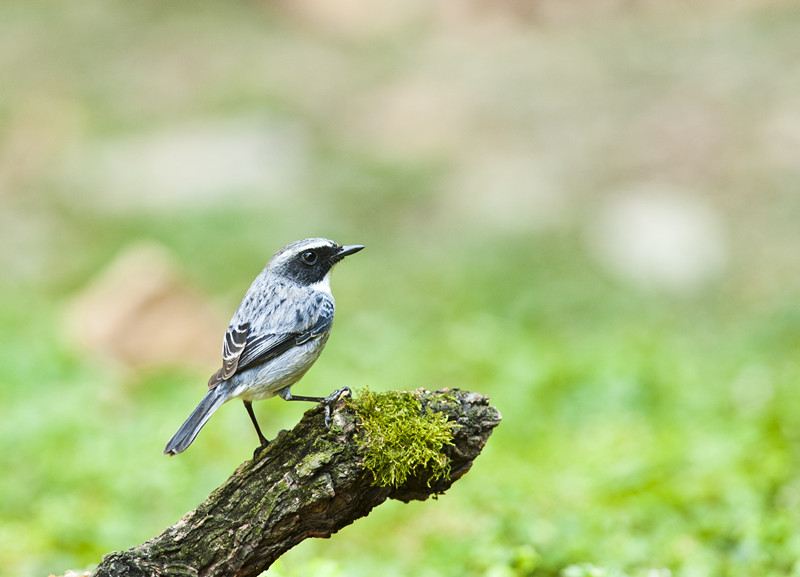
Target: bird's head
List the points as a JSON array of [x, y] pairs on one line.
[[309, 262]]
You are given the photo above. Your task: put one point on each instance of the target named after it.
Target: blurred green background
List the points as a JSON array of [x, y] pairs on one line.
[[587, 210]]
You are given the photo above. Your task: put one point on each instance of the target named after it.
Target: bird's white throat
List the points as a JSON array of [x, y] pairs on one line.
[[324, 285]]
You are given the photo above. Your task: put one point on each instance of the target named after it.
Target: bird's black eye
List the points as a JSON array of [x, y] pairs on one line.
[[309, 257]]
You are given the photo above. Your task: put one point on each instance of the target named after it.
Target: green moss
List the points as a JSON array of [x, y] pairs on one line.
[[401, 436]]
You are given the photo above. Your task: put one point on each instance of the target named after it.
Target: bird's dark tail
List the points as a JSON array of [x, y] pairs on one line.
[[181, 440]]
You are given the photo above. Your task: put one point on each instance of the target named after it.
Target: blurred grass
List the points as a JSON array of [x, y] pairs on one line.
[[641, 430], [638, 432]]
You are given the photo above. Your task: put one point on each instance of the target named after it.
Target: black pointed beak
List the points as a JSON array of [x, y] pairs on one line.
[[347, 251]]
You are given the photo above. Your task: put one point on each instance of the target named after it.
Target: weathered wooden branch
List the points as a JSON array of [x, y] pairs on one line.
[[308, 482]]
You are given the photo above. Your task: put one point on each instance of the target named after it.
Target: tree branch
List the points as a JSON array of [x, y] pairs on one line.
[[308, 482]]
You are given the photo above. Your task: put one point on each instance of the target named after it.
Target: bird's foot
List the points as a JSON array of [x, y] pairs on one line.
[[329, 401], [264, 444]]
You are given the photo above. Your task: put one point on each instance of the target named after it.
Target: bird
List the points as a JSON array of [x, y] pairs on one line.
[[275, 335]]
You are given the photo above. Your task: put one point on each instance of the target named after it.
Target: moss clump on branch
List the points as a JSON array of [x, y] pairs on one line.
[[401, 437]]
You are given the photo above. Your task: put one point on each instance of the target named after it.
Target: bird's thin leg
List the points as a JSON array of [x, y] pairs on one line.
[[249, 406], [328, 401], [299, 398]]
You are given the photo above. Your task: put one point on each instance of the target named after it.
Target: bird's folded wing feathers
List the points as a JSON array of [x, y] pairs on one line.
[[233, 346], [242, 349]]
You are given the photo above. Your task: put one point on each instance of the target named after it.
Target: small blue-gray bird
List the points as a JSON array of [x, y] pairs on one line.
[[275, 336]]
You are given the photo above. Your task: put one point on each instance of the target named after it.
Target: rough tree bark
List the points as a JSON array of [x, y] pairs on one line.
[[308, 482]]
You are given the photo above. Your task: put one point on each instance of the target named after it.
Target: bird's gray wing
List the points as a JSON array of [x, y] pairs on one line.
[[261, 348], [233, 346]]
